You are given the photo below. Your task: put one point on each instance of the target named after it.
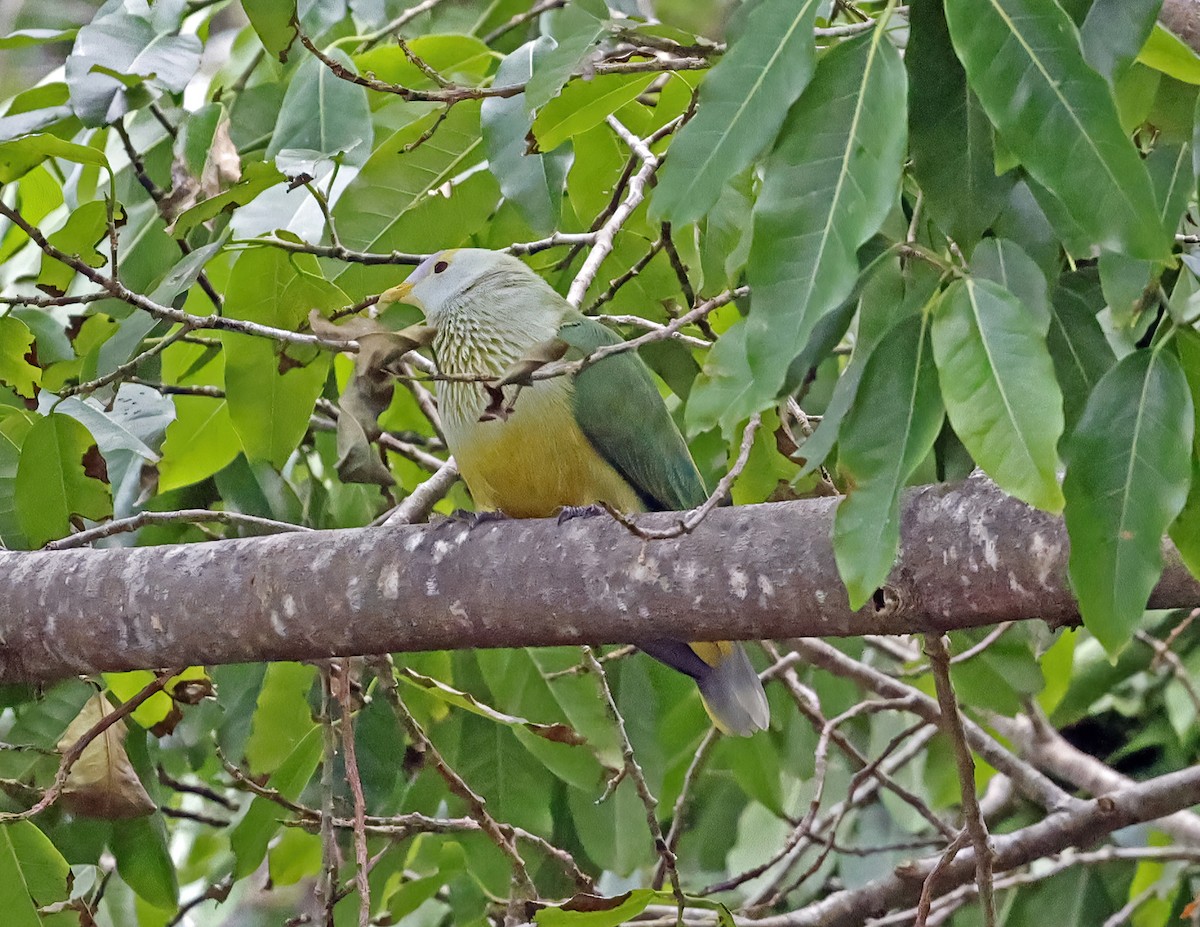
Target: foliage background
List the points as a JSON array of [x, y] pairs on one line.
[[967, 235]]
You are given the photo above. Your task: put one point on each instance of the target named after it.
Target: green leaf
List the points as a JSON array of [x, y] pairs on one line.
[[560, 733], [1185, 530], [252, 834], [613, 833], [144, 862], [533, 182], [828, 186], [742, 105], [257, 177], [294, 856], [460, 58], [1165, 52], [595, 911], [491, 759], [282, 716], [85, 227], [891, 428], [21, 155], [180, 278], [199, 442], [999, 387], [1024, 62], [415, 892], [1127, 479], [23, 38], [15, 370], [272, 20], [271, 391], [51, 485], [14, 426], [950, 137], [390, 205], [888, 296], [32, 873], [321, 112], [1080, 352], [575, 29], [1005, 263], [131, 45], [584, 104], [1114, 32]]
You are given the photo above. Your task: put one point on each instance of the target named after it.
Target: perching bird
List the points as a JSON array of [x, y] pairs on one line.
[[603, 435]]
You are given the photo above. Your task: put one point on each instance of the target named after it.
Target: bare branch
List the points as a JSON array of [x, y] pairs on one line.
[[952, 723], [320, 593]]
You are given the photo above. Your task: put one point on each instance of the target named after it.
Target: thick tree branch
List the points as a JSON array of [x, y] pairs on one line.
[[1084, 825], [971, 556]]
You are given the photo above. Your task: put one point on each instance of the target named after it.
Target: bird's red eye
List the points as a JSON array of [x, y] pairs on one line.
[[439, 267]]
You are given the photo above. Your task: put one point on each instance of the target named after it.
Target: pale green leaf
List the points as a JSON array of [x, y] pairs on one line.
[[271, 389], [199, 442], [32, 873], [21, 155], [574, 29], [1165, 52], [272, 20], [584, 104], [15, 370], [321, 112]]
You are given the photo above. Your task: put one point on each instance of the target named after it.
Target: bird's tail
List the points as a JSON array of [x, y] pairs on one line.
[[729, 687]]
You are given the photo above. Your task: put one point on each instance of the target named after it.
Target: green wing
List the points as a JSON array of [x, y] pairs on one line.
[[620, 410]]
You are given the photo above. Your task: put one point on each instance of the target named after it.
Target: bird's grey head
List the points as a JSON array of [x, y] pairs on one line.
[[465, 282]]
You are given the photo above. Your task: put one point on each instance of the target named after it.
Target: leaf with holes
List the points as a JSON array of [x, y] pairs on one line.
[[51, 484]]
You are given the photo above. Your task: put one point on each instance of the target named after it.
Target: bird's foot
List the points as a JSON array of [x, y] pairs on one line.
[[472, 519], [567, 512]]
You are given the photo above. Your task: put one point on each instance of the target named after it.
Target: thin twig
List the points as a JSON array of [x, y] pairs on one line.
[[420, 502], [939, 660], [520, 19], [476, 807], [606, 235], [633, 771], [691, 520], [183, 516], [345, 699]]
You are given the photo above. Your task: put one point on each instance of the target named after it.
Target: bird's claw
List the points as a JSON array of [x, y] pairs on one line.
[[567, 512], [473, 519]]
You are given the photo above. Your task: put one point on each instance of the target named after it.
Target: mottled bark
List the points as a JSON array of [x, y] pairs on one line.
[[1182, 17], [971, 556]]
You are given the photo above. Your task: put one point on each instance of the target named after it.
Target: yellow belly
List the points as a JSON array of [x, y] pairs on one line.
[[536, 461]]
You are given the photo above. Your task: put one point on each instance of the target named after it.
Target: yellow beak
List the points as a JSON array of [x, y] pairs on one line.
[[399, 294]]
